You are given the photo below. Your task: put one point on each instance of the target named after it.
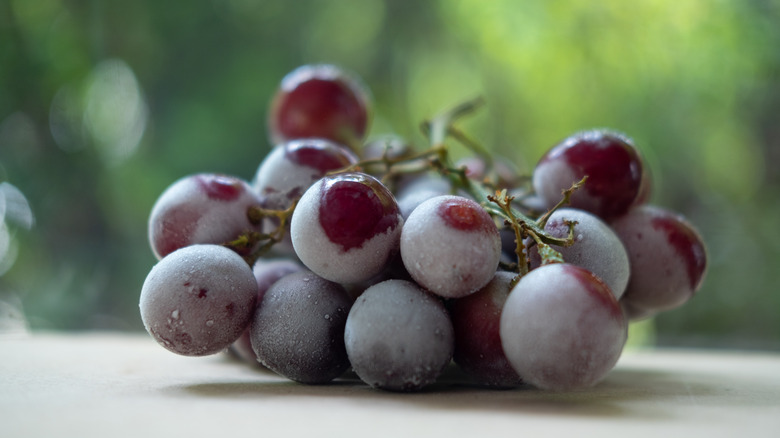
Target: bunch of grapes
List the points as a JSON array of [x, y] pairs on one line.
[[343, 253]]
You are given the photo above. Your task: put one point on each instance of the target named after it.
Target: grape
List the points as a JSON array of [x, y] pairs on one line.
[[476, 319], [319, 101], [267, 272], [450, 246], [562, 328], [419, 190], [346, 227], [298, 328], [614, 168], [668, 259], [294, 166], [398, 337], [202, 208], [198, 299], [596, 247]]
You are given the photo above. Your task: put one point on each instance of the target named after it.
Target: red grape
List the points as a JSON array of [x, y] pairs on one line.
[[319, 101]]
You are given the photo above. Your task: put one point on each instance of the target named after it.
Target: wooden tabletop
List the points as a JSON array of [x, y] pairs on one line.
[[125, 385]]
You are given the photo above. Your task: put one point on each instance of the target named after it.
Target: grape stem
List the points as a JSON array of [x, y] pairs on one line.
[[253, 245], [499, 204]]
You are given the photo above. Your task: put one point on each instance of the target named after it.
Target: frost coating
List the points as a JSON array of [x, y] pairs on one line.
[[298, 328], [668, 258], [191, 211], [596, 247], [398, 337], [449, 262], [328, 259], [280, 179], [197, 300], [561, 328]]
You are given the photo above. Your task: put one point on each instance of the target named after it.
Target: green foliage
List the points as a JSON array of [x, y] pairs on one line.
[[104, 104]]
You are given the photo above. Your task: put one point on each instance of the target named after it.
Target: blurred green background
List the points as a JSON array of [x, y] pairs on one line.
[[103, 104]]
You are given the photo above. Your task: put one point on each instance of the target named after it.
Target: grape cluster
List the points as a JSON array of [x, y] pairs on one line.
[[346, 253]]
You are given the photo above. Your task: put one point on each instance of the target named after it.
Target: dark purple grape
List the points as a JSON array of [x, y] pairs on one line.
[[202, 208], [476, 319], [346, 227], [298, 328], [614, 168], [198, 299], [450, 246], [319, 101], [562, 328], [668, 259], [398, 337], [267, 272]]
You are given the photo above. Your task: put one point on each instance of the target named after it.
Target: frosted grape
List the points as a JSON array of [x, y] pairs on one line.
[[450, 246], [198, 300], [398, 337]]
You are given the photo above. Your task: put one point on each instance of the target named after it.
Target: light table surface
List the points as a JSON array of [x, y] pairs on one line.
[[125, 385]]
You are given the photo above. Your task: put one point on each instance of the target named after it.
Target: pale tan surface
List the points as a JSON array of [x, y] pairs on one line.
[[112, 385]]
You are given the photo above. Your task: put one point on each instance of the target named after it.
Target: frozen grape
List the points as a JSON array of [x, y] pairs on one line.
[[202, 208], [476, 319], [346, 227], [398, 337], [614, 168], [562, 328], [292, 167], [267, 272], [319, 101], [197, 300], [596, 247], [450, 246], [298, 328], [668, 259], [419, 190]]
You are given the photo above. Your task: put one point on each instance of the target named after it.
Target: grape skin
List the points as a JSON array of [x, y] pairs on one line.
[[668, 259], [476, 319], [266, 272], [319, 101], [298, 328], [562, 328], [615, 170], [201, 208], [419, 190], [444, 257], [343, 246], [398, 337], [596, 247], [198, 300], [292, 167]]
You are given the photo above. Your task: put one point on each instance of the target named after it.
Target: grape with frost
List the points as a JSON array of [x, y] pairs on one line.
[[198, 300], [298, 328], [398, 336], [562, 328], [450, 246]]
